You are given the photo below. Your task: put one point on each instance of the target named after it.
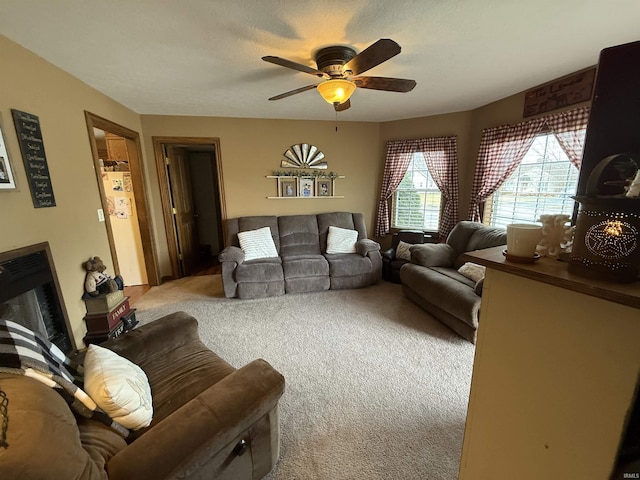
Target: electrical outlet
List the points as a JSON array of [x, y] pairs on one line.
[[100, 215]]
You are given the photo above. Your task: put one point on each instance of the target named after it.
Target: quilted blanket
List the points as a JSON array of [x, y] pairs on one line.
[[22, 352]]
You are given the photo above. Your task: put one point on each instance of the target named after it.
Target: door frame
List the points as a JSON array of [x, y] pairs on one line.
[[140, 194], [165, 194]]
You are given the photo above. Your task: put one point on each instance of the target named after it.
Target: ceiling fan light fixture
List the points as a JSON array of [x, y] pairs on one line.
[[336, 90]]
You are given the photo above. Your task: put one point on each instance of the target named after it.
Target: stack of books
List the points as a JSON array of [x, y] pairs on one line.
[[108, 316]]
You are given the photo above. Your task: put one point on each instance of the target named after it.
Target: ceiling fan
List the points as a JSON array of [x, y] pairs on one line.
[[341, 67]]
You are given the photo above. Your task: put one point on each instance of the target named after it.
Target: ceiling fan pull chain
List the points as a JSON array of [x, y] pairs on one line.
[[336, 121]]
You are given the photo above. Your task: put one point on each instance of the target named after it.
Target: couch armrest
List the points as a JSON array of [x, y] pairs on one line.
[[194, 433], [389, 253], [364, 246], [231, 254], [433, 255], [230, 258]]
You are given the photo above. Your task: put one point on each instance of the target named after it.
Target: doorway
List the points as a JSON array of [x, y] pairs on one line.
[[192, 193], [116, 155]]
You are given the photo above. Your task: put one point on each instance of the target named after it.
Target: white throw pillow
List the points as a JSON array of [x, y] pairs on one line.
[[341, 240], [119, 387], [472, 271], [257, 244], [402, 250]]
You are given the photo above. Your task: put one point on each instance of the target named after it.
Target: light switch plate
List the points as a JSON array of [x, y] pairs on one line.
[[100, 215]]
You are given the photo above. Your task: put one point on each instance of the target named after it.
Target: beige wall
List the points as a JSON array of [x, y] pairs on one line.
[[250, 149], [30, 84]]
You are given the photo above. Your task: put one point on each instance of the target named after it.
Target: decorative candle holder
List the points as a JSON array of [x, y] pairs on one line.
[[607, 232]]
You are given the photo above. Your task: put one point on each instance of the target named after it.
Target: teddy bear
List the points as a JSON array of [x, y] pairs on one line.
[[97, 282]]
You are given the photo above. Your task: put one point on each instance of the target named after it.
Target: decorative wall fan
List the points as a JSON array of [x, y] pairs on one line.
[[341, 67], [303, 155]]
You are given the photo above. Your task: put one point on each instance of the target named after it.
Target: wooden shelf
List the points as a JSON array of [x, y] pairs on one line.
[[295, 184], [296, 198]]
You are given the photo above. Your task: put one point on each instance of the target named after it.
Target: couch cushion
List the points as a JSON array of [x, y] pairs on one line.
[[118, 386], [486, 238], [433, 254], [299, 235], [257, 244], [455, 275], [248, 290], [435, 285], [99, 441], [263, 270], [299, 266], [307, 284], [348, 264], [181, 375]]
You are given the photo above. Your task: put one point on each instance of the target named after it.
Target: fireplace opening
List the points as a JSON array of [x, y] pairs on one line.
[[30, 294]]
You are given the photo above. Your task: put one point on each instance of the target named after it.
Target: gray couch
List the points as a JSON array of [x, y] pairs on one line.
[[432, 279], [302, 264]]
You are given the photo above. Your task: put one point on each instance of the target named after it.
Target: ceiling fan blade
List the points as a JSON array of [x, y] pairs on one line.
[[373, 55], [283, 62], [341, 107], [293, 92], [385, 83]]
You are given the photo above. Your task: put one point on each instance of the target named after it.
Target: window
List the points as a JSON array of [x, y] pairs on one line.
[[544, 182], [416, 201]]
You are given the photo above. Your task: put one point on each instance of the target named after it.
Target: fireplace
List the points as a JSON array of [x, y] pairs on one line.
[[30, 294]]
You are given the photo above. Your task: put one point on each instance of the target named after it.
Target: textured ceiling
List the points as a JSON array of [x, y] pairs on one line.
[[203, 57]]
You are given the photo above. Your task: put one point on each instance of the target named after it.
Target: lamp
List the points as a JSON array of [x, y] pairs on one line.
[[336, 90]]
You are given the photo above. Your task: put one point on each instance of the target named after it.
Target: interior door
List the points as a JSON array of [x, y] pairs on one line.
[[183, 209]]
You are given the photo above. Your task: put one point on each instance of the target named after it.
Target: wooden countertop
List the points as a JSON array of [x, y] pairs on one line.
[[552, 271]]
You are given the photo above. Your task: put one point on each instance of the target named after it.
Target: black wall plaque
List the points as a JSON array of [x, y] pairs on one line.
[[34, 158]]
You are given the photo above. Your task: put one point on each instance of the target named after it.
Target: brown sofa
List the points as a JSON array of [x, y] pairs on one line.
[[302, 264], [432, 279], [210, 419]]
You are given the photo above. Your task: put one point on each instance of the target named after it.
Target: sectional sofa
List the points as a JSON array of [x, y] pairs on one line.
[[300, 259]]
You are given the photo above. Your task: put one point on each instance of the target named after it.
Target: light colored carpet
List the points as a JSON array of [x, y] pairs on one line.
[[375, 387]]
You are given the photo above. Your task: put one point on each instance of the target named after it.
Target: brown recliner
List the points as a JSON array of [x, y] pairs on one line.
[[210, 419]]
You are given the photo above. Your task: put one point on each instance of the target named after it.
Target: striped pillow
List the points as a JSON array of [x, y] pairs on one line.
[[257, 244], [341, 240]]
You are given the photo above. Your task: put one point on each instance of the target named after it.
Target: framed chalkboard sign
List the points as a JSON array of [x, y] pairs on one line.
[[34, 158]]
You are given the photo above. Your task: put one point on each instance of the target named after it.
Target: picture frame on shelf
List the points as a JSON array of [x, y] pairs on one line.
[[306, 187], [7, 180], [288, 187], [324, 187]]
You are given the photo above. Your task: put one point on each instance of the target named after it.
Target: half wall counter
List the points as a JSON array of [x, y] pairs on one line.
[[555, 375]]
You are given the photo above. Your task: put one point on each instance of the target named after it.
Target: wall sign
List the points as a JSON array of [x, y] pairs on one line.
[[561, 93], [34, 158]]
